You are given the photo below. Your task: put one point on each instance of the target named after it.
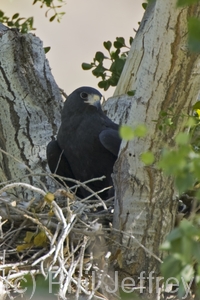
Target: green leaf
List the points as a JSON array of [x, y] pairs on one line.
[[99, 56], [99, 71], [15, 16], [184, 181], [194, 34], [52, 18], [86, 66], [113, 80], [196, 105], [144, 5], [131, 40], [104, 85], [107, 45], [131, 93], [115, 54], [190, 122], [163, 113], [48, 2], [126, 132], [171, 267], [186, 2], [46, 49], [121, 40], [140, 131], [174, 234], [166, 245], [188, 272], [182, 138], [118, 45], [147, 158], [117, 65]]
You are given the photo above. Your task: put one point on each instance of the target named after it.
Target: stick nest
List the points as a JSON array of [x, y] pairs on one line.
[[57, 234]]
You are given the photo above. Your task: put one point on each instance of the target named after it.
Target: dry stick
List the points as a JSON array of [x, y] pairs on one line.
[[25, 185], [96, 193], [69, 277], [142, 246], [47, 232], [19, 179], [105, 271], [18, 230], [53, 241], [14, 265], [83, 184], [82, 252], [1, 224], [31, 173], [60, 156], [74, 250], [20, 211], [99, 283], [78, 183], [65, 232], [76, 283]]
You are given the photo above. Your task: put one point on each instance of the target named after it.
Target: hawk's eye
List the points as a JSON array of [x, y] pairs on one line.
[[84, 96]]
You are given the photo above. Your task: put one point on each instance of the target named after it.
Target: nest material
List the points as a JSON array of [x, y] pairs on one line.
[[62, 235], [59, 234]]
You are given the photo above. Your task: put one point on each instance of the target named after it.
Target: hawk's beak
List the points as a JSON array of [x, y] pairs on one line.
[[93, 100]]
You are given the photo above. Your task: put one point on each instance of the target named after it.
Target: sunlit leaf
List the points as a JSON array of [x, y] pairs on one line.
[[126, 132], [49, 197], [147, 158], [40, 239], [140, 131], [29, 236], [182, 138], [24, 247]]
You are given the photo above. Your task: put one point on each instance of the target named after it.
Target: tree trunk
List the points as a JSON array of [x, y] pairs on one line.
[[30, 107], [165, 76]]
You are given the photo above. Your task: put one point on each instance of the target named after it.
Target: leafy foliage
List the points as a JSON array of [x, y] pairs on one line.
[[183, 243], [183, 263], [147, 158], [23, 24], [26, 24], [116, 57], [52, 7], [194, 34], [186, 2], [183, 161], [193, 27], [128, 133], [110, 75]]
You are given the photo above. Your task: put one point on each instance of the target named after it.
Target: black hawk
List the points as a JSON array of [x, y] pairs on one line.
[[87, 143]]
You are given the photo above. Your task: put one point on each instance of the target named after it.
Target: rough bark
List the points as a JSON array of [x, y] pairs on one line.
[[30, 107], [165, 76]]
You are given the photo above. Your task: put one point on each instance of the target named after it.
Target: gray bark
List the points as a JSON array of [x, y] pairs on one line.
[[30, 107], [165, 75]]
